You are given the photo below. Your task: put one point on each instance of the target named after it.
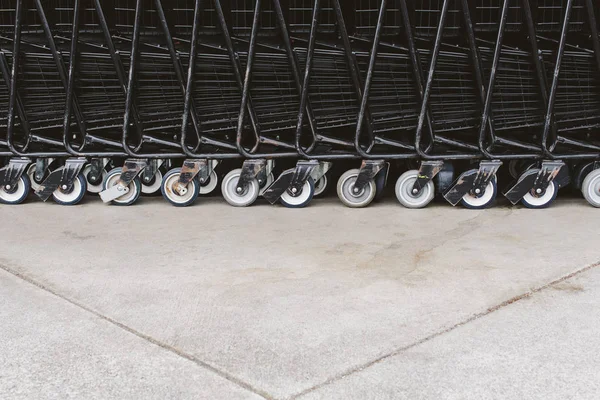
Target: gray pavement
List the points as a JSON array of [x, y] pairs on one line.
[[326, 302]]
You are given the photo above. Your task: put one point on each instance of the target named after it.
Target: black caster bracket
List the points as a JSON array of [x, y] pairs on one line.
[[427, 171], [368, 171], [152, 166], [473, 181], [62, 177], [294, 180], [258, 169], [538, 183], [10, 174]]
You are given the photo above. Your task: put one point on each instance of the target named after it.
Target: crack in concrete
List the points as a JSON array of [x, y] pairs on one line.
[[141, 335], [435, 335]]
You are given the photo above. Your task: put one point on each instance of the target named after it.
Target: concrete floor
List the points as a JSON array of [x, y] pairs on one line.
[[326, 302]]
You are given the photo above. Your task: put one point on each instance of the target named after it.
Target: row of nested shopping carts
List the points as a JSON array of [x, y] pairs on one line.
[[122, 97]]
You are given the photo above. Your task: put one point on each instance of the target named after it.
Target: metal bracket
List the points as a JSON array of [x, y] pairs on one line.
[[293, 181], [41, 166], [368, 171], [473, 181], [201, 168], [97, 166], [62, 177], [152, 167], [10, 174], [427, 171], [253, 169], [131, 169], [320, 170], [535, 183]]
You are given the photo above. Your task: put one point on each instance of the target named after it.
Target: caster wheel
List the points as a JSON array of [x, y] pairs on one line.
[[153, 185], [210, 185], [321, 186], [591, 188], [135, 188], [93, 186], [303, 198], [72, 196], [235, 198], [35, 184], [543, 201], [188, 195], [406, 197], [473, 202], [380, 184], [269, 182], [346, 193], [16, 194]]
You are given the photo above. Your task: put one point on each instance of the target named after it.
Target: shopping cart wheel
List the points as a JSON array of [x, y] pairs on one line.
[[542, 200], [35, 183], [210, 185], [591, 188], [94, 184], [154, 184], [484, 200], [268, 182], [404, 191], [135, 188], [346, 194], [243, 198], [185, 196], [302, 199], [321, 186], [16, 194], [73, 195]]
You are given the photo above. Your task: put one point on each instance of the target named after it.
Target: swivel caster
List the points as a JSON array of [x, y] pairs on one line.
[[237, 196], [301, 199], [410, 197], [349, 196], [176, 194], [591, 188], [70, 196], [130, 193], [16, 194]]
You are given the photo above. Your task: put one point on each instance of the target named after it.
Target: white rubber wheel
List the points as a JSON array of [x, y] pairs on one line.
[[321, 185], [302, 200], [229, 190], [485, 200], [211, 184], [591, 188], [135, 188], [74, 196], [189, 195], [346, 193], [35, 186], [155, 185], [269, 182], [18, 194], [93, 188], [531, 201], [406, 197]]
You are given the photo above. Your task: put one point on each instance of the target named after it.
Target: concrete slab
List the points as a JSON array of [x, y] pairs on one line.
[[542, 347], [51, 349], [286, 299]]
